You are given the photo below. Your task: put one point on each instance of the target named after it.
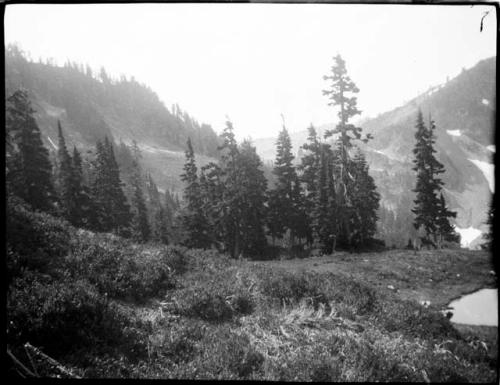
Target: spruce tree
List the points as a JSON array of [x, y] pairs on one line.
[[29, 171], [212, 193], [65, 178], [366, 201], [112, 208], [159, 219], [282, 200], [430, 209], [342, 94], [121, 209], [300, 218], [309, 169], [85, 214], [324, 215], [446, 232], [140, 224], [253, 210], [231, 210], [194, 222], [100, 190]]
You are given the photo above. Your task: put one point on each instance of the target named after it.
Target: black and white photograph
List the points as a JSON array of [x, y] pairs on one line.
[[261, 191]]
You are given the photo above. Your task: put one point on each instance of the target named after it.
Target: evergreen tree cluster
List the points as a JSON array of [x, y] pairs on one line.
[[88, 194], [327, 201], [225, 204]]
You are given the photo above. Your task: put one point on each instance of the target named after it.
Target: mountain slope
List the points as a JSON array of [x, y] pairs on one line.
[[91, 106], [464, 112]]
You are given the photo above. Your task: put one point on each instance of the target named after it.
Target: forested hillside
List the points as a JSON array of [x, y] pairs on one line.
[[91, 105]]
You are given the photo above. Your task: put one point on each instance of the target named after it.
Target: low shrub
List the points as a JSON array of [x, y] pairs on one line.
[[124, 270], [287, 287], [208, 261], [37, 241], [227, 355], [215, 297], [320, 287], [414, 320], [59, 317]]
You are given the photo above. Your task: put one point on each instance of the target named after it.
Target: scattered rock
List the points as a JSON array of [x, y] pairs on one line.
[[391, 287], [458, 275], [492, 272], [425, 303]]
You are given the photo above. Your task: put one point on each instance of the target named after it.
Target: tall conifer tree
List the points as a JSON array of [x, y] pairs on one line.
[[65, 178], [194, 221], [113, 209], [254, 184], [325, 219], [284, 196], [159, 221], [231, 212], [140, 223], [309, 167], [366, 201], [30, 173], [85, 214], [430, 209], [342, 94], [212, 192]]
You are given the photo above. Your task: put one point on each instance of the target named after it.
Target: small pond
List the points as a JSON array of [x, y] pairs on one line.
[[478, 308]]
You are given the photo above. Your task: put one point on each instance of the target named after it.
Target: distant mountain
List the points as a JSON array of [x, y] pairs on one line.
[[464, 112], [90, 106]]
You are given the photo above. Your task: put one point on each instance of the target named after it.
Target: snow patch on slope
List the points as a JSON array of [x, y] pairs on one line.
[[486, 102], [454, 132], [387, 155], [468, 235], [488, 171], [491, 148], [155, 150], [52, 143]]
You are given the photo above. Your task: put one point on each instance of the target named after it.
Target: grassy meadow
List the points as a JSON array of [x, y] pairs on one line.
[[103, 306]]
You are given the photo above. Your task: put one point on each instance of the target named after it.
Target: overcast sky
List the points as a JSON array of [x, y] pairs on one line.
[[253, 62]]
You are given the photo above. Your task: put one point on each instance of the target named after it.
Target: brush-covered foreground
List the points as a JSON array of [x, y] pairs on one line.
[[106, 307]]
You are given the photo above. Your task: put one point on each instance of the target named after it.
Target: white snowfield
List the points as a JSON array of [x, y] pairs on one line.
[[454, 132], [52, 143], [468, 235], [488, 170]]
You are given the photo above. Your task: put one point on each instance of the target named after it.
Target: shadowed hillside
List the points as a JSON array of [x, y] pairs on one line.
[[91, 106]]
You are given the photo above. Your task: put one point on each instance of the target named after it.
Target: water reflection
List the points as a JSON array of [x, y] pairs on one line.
[[479, 308]]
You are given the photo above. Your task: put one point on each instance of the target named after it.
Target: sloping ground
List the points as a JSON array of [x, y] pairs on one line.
[[106, 307]]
